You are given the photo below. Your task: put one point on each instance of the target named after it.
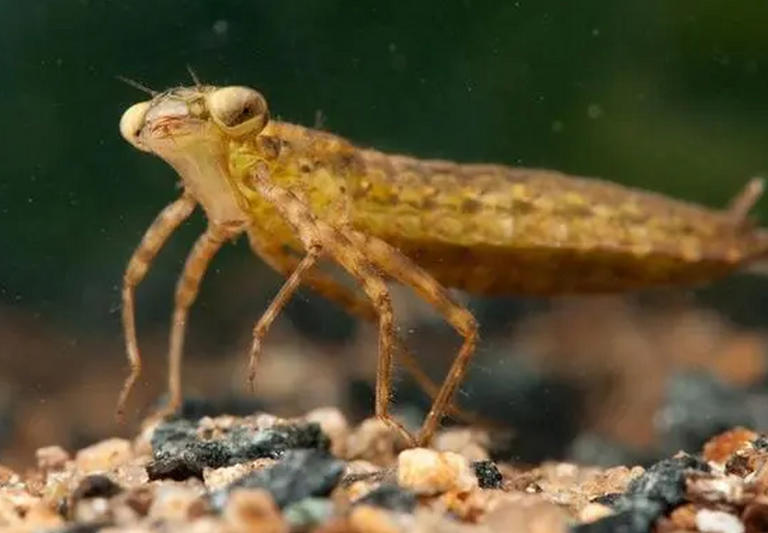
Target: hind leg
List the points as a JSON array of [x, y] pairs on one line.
[[395, 264], [351, 301]]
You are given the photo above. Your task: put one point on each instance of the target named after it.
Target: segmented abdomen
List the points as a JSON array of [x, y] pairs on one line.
[[490, 228]]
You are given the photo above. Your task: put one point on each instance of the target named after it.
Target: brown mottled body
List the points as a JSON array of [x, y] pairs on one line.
[[303, 195], [492, 229]]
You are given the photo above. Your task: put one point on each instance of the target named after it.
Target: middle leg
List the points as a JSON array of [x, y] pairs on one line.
[[282, 298]]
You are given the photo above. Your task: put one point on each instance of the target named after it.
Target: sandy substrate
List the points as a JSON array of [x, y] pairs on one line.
[[262, 473]]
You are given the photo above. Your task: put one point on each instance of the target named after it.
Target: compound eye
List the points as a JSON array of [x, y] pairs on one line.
[[131, 123], [238, 110]]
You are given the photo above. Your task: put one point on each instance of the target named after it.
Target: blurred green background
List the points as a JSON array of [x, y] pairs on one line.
[[670, 96]]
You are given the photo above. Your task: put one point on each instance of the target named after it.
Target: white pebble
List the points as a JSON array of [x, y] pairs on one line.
[[708, 521]]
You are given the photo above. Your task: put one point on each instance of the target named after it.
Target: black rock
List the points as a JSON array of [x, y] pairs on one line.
[[390, 496], [96, 486], [647, 497], [488, 474], [664, 481], [178, 452], [299, 474]]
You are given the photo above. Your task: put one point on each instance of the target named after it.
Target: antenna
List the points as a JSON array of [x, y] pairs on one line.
[[194, 77], [137, 85]]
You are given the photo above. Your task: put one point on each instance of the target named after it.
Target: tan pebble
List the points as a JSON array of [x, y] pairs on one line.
[[103, 456], [612, 480], [721, 447], [174, 502], [132, 474], [357, 468], [467, 506], [372, 441], [142, 444], [8, 476], [218, 478], [9, 515], [250, 510], [205, 524], [20, 499], [128, 506], [528, 517], [333, 424], [266, 421], [427, 472], [42, 516], [593, 512], [51, 457], [471, 443], [370, 519], [217, 427]]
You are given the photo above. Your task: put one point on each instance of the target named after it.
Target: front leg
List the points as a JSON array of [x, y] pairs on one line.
[[154, 238], [187, 288]]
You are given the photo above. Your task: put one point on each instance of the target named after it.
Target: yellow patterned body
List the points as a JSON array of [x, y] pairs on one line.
[[493, 229]]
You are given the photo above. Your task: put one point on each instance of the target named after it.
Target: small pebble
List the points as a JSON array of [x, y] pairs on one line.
[[721, 447], [708, 521], [369, 519], [8, 476], [429, 472], [529, 516], [174, 502], [334, 425], [594, 511], [103, 456], [488, 475], [249, 510], [132, 475], [51, 458], [42, 517], [372, 441]]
